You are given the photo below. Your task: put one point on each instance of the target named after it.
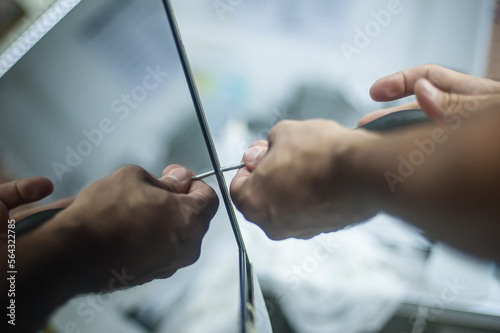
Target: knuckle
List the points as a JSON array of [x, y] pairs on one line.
[[196, 220], [194, 256], [256, 212], [450, 103], [202, 228], [306, 234], [131, 169], [213, 204], [278, 128], [206, 206], [191, 255], [455, 102], [168, 186], [484, 87], [259, 143], [274, 234], [199, 225], [180, 235], [430, 70], [430, 67], [236, 196], [253, 204], [242, 201], [166, 274], [471, 104]]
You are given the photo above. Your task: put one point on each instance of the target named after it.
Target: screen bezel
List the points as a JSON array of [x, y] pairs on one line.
[[247, 304]]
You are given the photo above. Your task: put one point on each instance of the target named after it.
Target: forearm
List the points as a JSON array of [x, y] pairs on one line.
[[446, 182], [50, 271]]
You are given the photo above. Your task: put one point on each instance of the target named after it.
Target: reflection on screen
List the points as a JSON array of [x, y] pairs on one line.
[[103, 89]]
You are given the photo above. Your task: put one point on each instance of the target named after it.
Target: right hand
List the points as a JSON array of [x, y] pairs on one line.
[[440, 92], [134, 221], [306, 180]]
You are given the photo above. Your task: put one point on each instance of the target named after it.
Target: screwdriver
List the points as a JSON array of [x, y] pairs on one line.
[[388, 122], [224, 169]]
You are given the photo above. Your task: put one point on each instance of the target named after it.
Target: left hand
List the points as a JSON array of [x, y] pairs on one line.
[[441, 93], [302, 182], [21, 192]]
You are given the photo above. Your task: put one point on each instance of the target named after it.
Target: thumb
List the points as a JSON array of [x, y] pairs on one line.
[[253, 156], [438, 104], [177, 180], [24, 191], [20, 192]]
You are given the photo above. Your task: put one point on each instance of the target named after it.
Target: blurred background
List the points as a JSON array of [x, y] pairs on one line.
[[88, 86]]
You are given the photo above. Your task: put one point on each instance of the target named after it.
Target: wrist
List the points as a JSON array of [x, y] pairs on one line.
[[51, 269], [357, 172], [388, 167], [60, 249]]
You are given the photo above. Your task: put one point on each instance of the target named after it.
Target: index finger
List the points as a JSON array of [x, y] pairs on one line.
[[204, 205], [176, 178], [200, 191], [23, 191], [238, 181], [401, 84], [254, 154]]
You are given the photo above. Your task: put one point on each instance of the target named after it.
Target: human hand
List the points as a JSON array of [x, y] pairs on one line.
[[443, 94], [301, 183], [18, 193], [134, 221]]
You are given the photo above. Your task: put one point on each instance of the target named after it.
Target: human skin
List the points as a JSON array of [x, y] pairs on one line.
[[439, 91], [124, 230], [317, 176]]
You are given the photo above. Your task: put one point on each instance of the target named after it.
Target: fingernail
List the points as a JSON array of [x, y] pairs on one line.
[[252, 153], [179, 174], [428, 89]]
